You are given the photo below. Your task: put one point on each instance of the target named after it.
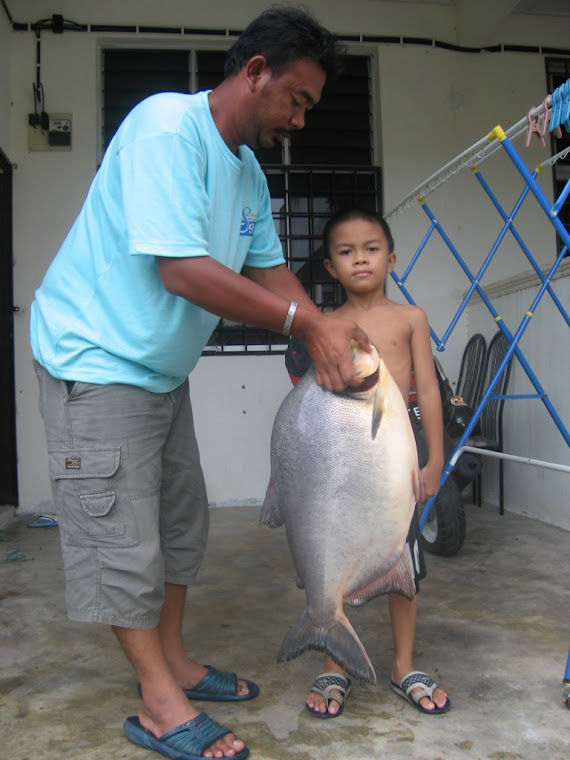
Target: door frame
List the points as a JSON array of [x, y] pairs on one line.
[[8, 451]]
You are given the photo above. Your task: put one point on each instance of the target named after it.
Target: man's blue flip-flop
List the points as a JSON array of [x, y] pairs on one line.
[[186, 742], [43, 521], [220, 686]]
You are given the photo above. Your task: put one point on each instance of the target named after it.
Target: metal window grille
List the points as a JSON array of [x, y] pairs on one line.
[[558, 72], [303, 198], [130, 75]]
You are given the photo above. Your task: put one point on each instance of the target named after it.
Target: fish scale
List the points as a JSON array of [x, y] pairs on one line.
[[344, 480]]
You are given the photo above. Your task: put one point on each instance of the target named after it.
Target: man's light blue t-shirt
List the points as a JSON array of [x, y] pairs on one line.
[[168, 186]]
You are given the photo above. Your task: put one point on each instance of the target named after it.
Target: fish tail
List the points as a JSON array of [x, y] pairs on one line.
[[339, 641]]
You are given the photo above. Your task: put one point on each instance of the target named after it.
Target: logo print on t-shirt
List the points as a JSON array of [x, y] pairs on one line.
[[248, 220]]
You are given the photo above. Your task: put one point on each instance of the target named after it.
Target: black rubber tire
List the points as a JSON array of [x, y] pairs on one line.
[[444, 531]]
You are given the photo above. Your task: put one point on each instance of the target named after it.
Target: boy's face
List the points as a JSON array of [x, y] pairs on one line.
[[359, 256]]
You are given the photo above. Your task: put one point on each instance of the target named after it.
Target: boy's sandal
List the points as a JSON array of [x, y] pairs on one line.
[[422, 686], [325, 685]]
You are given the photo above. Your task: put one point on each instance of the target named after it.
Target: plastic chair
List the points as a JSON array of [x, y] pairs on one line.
[[491, 420], [471, 370], [470, 381]]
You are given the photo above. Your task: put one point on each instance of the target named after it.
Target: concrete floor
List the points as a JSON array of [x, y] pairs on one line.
[[493, 627]]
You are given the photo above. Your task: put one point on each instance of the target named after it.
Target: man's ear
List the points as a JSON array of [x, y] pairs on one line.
[[330, 268], [391, 262], [255, 68]]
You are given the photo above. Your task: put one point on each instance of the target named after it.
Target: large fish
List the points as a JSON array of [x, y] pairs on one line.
[[344, 480]]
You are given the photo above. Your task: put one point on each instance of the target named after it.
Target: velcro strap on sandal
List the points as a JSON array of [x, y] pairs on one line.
[[417, 680], [327, 682]]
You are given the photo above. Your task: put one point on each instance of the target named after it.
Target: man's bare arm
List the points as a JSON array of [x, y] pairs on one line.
[[262, 300]]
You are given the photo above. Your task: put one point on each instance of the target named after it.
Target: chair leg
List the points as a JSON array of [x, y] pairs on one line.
[[479, 497]]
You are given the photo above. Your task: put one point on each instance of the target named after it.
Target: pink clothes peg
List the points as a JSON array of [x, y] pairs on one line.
[[533, 126]]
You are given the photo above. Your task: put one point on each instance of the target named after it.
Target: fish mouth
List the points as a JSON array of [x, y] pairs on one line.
[[367, 383], [364, 362]]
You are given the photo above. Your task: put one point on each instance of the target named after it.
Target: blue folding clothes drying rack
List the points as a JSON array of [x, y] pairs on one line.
[[551, 115]]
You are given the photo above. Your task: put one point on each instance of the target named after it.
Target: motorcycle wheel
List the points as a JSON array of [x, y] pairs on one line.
[[444, 531]]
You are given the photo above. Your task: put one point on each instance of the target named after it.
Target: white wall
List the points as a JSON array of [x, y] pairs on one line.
[[433, 104], [235, 400]]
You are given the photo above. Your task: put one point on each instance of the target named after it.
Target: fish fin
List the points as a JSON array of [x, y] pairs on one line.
[[340, 642], [270, 514], [300, 582], [398, 580], [377, 410]]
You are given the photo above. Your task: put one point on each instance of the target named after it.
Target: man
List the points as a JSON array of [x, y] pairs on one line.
[[178, 208]]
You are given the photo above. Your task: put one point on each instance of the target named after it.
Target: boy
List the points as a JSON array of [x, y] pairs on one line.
[[359, 251]]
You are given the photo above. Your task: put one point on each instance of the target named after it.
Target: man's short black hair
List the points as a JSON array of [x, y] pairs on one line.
[[346, 215], [285, 34]]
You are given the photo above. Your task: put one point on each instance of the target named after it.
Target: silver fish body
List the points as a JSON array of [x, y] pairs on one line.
[[344, 480]]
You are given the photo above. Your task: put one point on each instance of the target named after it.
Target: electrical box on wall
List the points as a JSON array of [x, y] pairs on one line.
[[53, 133]]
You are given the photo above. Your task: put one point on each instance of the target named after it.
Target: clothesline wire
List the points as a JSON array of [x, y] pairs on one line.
[[470, 158]]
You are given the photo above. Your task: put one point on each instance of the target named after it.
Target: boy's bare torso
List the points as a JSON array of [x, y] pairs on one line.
[[389, 326]]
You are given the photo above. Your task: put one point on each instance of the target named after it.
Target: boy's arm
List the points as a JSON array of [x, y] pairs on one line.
[[429, 402]]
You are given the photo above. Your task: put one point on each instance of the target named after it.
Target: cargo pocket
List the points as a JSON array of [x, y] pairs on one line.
[[87, 489]]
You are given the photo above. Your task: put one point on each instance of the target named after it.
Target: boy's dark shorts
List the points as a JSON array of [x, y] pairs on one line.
[[414, 543]]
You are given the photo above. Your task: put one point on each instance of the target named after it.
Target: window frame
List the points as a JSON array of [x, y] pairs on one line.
[[189, 43]]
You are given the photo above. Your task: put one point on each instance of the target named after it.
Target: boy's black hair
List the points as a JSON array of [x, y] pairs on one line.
[[285, 34], [345, 215]]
